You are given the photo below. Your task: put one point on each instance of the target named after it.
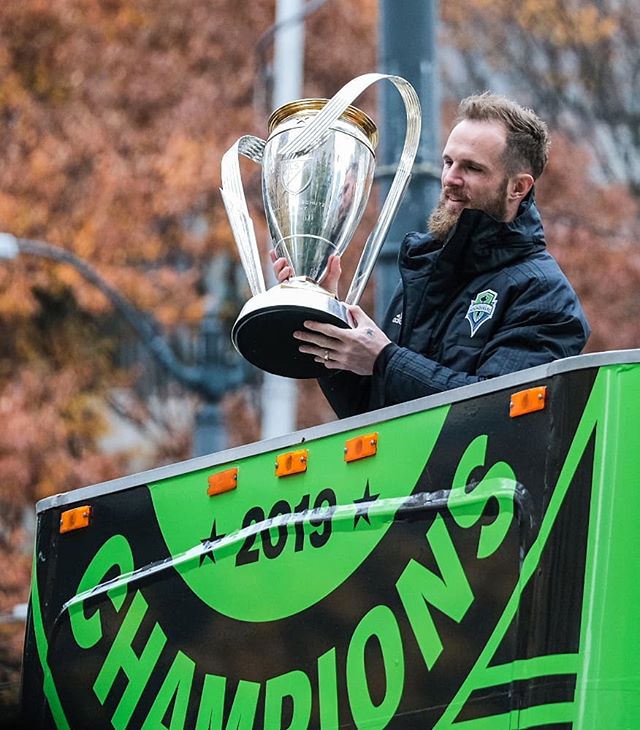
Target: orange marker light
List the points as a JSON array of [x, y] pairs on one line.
[[528, 401], [360, 447], [75, 519], [293, 462], [222, 481]]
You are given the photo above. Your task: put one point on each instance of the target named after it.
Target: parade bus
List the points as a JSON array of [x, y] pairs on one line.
[[465, 561]]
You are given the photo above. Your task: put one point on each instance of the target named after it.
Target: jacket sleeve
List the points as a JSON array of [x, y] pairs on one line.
[[347, 392], [540, 329], [407, 375], [350, 394]]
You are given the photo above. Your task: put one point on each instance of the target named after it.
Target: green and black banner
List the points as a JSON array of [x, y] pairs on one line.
[[475, 571]]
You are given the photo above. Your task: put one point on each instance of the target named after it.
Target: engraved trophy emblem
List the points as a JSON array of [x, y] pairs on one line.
[[318, 165]]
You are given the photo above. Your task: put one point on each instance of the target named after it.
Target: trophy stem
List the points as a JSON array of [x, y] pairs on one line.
[[307, 254]]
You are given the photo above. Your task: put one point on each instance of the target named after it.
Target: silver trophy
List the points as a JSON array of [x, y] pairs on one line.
[[318, 164]]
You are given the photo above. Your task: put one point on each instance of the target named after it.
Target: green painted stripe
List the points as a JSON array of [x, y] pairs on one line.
[[559, 712], [532, 559], [556, 713], [608, 689], [542, 666], [50, 691]]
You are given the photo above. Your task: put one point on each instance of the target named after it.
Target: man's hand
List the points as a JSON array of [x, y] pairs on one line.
[[281, 267], [283, 271], [337, 349], [344, 349]]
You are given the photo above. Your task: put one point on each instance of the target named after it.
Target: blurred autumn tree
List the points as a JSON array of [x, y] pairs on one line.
[[576, 60], [114, 115]]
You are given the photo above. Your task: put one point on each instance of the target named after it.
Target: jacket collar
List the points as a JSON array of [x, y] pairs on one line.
[[478, 242]]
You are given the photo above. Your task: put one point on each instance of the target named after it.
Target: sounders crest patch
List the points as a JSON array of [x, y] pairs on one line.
[[481, 309]]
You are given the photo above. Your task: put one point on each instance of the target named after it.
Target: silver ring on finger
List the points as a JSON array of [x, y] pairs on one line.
[[326, 355]]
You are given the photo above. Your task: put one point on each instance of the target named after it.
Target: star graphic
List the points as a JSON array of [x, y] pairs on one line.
[[362, 511], [209, 543]]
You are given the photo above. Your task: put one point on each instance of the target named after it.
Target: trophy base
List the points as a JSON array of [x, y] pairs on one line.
[[263, 332]]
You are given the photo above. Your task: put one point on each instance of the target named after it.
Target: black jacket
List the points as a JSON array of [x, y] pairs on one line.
[[490, 301]]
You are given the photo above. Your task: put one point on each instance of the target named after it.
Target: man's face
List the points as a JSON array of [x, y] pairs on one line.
[[473, 175]]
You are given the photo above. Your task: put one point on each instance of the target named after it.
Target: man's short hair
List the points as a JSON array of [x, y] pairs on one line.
[[527, 148]]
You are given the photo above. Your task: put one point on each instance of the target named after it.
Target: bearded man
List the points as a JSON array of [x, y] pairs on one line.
[[479, 294]]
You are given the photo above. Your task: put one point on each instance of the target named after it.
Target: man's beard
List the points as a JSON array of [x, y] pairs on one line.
[[442, 219]]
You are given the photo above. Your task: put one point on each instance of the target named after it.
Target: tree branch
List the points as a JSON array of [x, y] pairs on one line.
[[144, 325]]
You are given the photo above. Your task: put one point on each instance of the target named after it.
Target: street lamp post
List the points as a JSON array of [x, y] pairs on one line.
[[213, 377], [408, 48], [279, 395]]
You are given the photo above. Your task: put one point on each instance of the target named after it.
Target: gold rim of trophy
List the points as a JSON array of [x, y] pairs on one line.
[[350, 114]]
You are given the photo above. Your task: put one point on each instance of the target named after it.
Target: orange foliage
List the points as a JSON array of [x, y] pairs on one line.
[[593, 230], [114, 115], [561, 22]]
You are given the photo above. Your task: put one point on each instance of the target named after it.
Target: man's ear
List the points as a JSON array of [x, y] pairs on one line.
[[519, 186]]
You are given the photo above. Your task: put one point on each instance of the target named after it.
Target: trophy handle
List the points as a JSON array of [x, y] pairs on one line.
[[314, 132], [235, 203]]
